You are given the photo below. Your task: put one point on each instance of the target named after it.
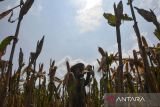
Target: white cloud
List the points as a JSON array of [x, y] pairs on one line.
[[8, 7], [89, 14], [145, 3], [150, 4], [133, 45], [39, 8]]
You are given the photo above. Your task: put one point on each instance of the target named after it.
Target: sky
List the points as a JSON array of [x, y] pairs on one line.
[[74, 29]]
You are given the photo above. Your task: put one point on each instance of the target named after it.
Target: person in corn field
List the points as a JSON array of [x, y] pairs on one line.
[[81, 82]]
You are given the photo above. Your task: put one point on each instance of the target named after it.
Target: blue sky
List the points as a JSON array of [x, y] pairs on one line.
[[74, 29]]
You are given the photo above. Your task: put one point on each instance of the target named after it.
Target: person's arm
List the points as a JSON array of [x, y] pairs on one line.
[[87, 79]]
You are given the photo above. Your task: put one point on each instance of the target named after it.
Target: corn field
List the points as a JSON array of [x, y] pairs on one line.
[[80, 88]]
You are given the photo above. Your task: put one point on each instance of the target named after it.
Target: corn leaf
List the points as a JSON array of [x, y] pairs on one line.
[[39, 46], [120, 9], [125, 17], [147, 15], [111, 19], [68, 66], [5, 42], [21, 58], [25, 8], [4, 14], [101, 51]]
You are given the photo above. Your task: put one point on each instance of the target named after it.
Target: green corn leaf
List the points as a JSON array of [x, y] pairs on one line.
[[125, 17], [5, 42], [111, 19]]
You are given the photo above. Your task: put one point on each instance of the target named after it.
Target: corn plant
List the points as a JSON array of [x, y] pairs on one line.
[[30, 86]]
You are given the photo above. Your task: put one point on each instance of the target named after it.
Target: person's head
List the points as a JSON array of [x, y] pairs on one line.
[[77, 69]]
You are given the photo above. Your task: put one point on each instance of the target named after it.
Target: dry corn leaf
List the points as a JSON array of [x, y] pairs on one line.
[[68, 66], [120, 10], [101, 51], [126, 67], [25, 8], [147, 15], [21, 58], [52, 63], [4, 14], [39, 46]]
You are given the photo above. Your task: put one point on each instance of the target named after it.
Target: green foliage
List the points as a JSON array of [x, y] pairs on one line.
[[67, 91], [125, 17], [5, 42], [112, 19]]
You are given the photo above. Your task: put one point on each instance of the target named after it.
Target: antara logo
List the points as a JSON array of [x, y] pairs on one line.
[[130, 99]]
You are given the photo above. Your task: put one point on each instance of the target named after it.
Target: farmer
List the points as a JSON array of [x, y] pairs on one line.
[[79, 70]]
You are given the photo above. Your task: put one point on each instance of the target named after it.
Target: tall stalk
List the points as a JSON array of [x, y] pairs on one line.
[[148, 78], [119, 85], [9, 71], [139, 78], [23, 11]]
